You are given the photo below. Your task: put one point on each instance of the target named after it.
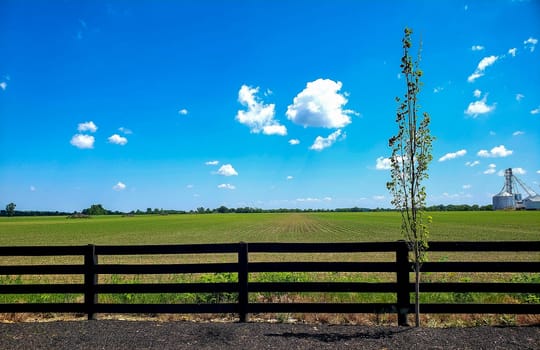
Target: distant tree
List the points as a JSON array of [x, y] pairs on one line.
[[411, 155], [95, 209], [10, 209], [222, 209]]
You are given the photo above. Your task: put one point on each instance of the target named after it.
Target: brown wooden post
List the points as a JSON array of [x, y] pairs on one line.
[[403, 269], [90, 281], [243, 293]]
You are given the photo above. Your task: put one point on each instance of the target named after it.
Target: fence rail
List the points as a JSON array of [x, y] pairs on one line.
[[90, 269]]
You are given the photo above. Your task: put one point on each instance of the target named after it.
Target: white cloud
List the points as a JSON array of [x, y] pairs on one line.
[[120, 186], [538, 171], [438, 89], [118, 140], [309, 199], [479, 107], [82, 141], [3, 85], [499, 151], [383, 163], [190, 186], [227, 186], [320, 105], [477, 48], [535, 111], [87, 126], [379, 198], [490, 170], [477, 93], [517, 133], [512, 52], [183, 111], [294, 141], [519, 97], [321, 143], [472, 164], [212, 162], [125, 131], [466, 187], [453, 155], [227, 170], [290, 177], [482, 65], [519, 171], [259, 117], [530, 43], [32, 188]]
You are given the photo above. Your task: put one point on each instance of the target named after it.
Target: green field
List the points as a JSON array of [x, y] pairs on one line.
[[266, 227]]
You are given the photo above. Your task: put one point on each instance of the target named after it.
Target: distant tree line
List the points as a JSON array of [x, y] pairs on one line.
[[98, 209]]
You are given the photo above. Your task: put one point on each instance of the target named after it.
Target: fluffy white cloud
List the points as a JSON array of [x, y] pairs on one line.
[[3, 85], [482, 65], [212, 162], [490, 170], [120, 186], [294, 141], [535, 111], [519, 97], [321, 143], [512, 52], [259, 117], [227, 170], [466, 187], [472, 164], [517, 133], [117, 140], [320, 105], [477, 93], [530, 43], [477, 48], [383, 163], [453, 155], [495, 152], [82, 141], [515, 171], [479, 107], [183, 111], [290, 177], [87, 126], [227, 186]]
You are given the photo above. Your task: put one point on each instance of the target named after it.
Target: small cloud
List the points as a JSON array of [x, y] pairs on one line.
[[490, 170], [227, 186], [118, 140], [321, 143], [212, 162], [32, 189], [492, 133], [477, 108], [466, 187], [512, 52], [120, 186], [125, 131], [496, 152], [477, 48], [379, 198], [517, 133], [82, 141], [87, 126], [383, 163], [227, 170], [438, 89], [519, 97], [535, 111], [320, 104], [294, 142], [189, 186], [477, 93], [259, 117], [453, 155], [3, 86], [482, 65], [519, 171], [290, 177], [183, 111], [538, 171], [530, 43], [472, 164]]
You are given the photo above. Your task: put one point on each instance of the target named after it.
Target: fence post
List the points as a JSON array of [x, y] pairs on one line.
[[90, 280], [403, 269], [243, 294]]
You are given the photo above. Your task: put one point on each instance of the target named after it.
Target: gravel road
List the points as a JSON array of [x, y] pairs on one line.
[[112, 334]]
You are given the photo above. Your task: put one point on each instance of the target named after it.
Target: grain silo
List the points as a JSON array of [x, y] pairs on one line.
[[510, 198]]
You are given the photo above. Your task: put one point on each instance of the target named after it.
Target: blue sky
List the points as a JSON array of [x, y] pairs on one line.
[[269, 104]]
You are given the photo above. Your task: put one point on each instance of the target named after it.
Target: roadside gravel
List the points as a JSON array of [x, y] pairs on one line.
[[113, 334]]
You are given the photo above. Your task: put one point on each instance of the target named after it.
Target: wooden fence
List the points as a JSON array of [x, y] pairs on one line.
[[400, 266]]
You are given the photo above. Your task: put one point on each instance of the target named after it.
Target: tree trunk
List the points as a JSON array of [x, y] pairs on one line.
[[417, 293]]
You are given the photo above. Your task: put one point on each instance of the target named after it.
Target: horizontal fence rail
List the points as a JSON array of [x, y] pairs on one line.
[[400, 266]]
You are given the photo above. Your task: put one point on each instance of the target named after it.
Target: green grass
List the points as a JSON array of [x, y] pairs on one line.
[[266, 227]]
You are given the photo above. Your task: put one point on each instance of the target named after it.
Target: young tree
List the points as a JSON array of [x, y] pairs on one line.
[[411, 155], [10, 209]]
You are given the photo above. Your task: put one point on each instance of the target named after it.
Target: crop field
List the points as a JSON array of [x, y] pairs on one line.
[[268, 227]]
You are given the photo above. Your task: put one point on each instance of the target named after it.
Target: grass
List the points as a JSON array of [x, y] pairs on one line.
[[267, 227]]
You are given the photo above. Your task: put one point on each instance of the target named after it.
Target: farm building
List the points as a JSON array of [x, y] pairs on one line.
[[510, 198]]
